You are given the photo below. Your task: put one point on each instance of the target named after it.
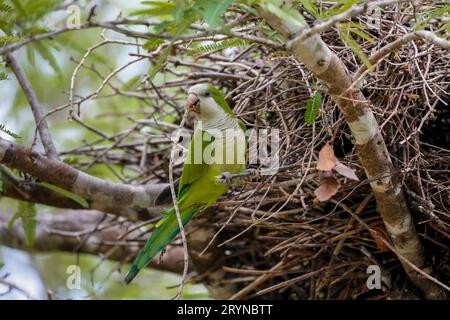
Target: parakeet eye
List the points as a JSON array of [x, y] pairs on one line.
[[207, 94]]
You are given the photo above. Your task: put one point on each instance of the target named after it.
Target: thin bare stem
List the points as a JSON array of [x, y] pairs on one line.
[[36, 107]]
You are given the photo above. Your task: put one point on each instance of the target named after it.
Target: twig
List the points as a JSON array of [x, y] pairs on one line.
[[36, 107], [15, 287], [397, 44], [177, 210], [328, 24]]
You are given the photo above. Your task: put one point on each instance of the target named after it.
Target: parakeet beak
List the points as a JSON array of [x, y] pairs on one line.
[[193, 103]]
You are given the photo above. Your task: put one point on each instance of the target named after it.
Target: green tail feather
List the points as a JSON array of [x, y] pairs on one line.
[[166, 230]]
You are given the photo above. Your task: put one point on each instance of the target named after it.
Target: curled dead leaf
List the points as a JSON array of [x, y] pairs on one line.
[[329, 186], [327, 159], [345, 171]]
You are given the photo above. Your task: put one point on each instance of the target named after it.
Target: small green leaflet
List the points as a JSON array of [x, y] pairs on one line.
[[157, 8], [17, 4], [312, 108], [311, 7], [212, 10], [157, 66], [343, 6], [131, 83], [3, 76], [357, 29], [67, 194], [6, 39], [4, 7], [46, 53], [30, 55], [216, 46], [9, 133], [27, 213], [284, 12], [424, 18], [153, 43], [345, 31]]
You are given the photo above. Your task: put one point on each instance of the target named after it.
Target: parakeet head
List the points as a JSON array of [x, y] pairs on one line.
[[207, 103]]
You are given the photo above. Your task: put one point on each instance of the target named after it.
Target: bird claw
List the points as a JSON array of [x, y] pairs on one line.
[[225, 178], [252, 172]]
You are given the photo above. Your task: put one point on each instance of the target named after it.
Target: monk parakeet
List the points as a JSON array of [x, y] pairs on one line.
[[218, 146]]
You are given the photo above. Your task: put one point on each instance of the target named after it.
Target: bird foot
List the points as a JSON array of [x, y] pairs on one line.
[[225, 178], [252, 172]]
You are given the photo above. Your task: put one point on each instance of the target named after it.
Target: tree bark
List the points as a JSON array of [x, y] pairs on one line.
[[134, 201], [369, 143]]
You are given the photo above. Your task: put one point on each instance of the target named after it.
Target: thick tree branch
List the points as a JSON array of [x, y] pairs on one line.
[[33, 192], [36, 107], [120, 199], [81, 232], [369, 142]]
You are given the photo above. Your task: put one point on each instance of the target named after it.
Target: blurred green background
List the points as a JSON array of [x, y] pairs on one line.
[[49, 67]]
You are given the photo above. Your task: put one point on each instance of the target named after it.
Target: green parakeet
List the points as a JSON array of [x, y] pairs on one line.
[[218, 145]]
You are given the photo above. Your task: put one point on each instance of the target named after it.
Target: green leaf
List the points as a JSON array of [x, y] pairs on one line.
[[33, 10], [310, 7], [17, 4], [157, 8], [220, 45], [30, 55], [212, 10], [152, 43], [344, 6], [9, 133], [425, 17], [312, 108], [357, 29], [157, 66], [47, 55], [3, 76], [5, 7], [131, 83], [81, 201], [6, 39], [4, 25], [363, 35], [344, 34], [27, 213], [285, 13]]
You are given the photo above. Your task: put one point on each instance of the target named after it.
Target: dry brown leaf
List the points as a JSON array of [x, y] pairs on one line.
[[327, 160], [346, 171], [329, 186]]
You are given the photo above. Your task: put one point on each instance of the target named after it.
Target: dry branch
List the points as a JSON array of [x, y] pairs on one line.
[[36, 107], [120, 199]]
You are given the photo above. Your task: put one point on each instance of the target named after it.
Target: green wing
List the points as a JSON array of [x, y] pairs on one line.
[[194, 166]]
